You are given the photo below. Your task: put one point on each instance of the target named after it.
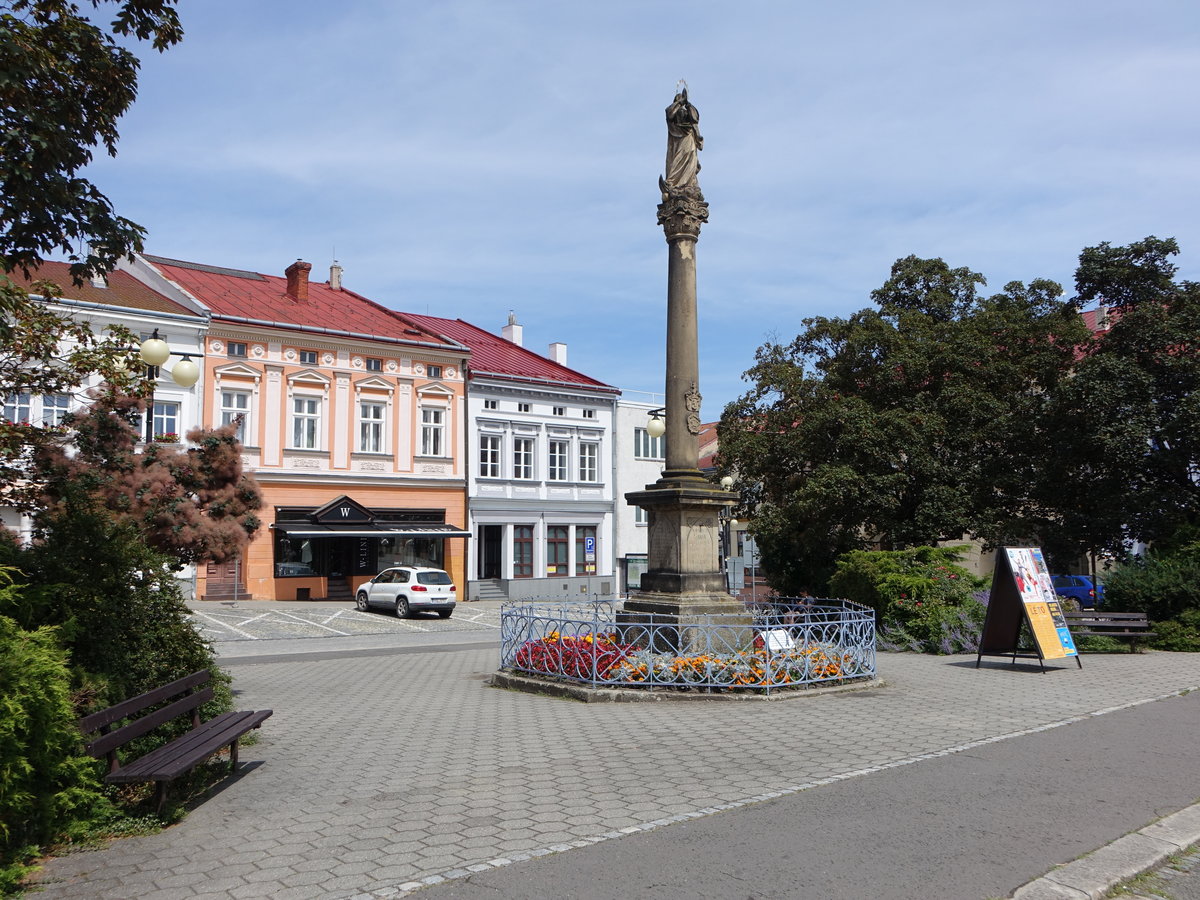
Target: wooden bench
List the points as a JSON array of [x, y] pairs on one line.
[[1126, 626], [182, 754]]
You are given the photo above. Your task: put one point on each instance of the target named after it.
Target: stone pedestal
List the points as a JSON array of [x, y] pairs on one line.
[[684, 586]]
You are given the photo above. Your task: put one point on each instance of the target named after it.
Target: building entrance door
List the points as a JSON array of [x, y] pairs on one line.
[[491, 538]]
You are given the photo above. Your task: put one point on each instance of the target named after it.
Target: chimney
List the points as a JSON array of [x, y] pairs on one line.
[[512, 332], [335, 276], [297, 278], [558, 353], [99, 281]]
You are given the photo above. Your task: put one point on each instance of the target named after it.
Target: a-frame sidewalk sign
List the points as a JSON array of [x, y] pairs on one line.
[[1022, 592]]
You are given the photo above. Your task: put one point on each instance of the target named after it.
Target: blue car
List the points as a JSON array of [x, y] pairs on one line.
[[1080, 589]]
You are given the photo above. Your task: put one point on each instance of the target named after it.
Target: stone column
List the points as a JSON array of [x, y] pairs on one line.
[[683, 584]]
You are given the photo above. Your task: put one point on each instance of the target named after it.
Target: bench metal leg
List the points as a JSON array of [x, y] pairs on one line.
[[233, 759], [160, 796]]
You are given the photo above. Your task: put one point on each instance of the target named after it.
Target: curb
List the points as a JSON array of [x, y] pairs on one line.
[[1092, 876]]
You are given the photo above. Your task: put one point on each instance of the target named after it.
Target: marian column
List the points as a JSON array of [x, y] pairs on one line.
[[683, 580]]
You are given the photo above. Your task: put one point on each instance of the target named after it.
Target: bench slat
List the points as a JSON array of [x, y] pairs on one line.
[[126, 708], [189, 750], [138, 727]]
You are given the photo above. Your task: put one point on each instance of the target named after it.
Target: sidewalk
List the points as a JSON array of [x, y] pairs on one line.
[[378, 773]]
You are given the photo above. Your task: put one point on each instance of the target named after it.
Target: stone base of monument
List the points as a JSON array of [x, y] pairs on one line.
[[693, 624]]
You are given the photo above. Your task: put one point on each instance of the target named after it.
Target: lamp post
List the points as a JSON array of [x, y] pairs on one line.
[[154, 352]]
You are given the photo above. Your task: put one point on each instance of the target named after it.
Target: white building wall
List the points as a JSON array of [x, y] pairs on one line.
[[500, 504], [633, 473]]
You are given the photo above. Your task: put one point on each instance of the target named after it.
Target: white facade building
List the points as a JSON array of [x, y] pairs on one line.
[[540, 487]]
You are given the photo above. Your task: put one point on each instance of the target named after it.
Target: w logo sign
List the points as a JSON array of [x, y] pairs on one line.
[[345, 511]]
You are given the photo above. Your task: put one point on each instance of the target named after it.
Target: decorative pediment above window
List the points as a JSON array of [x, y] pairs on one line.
[[435, 390], [374, 384], [237, 370], [309, 377]]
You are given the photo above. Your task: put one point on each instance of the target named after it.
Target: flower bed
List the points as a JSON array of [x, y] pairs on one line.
[[585, 643]]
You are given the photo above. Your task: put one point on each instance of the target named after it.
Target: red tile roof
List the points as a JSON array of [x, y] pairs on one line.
[[236, 295], [492, 355], [123, 290]]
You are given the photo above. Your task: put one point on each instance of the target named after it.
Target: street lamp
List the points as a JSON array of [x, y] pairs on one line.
[[656, 427], [154, 351]]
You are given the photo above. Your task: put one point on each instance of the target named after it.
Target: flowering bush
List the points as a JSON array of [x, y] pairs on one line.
[[922, 599], [617, 663]]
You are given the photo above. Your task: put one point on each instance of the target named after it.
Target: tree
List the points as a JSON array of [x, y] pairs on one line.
[[66, 83], [916, 422], [194, 504], [1129, 441]]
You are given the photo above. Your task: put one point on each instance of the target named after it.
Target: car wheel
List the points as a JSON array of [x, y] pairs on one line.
[[444, 613], [361, 601], [402, 610]]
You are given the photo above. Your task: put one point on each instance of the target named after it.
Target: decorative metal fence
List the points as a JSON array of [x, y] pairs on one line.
[[787, 643]]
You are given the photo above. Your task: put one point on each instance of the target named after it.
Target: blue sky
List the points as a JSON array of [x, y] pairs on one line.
[[464, 159]]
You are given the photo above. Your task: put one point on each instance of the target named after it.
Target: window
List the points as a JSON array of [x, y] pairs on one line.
[[370, 427], [433, 428], [646, 447], [489, 456], [522, 551], [374, 364], [640, 517], [589, 462], [524, 407], [585, 550], [589, 414], [55, 408], [235, 404], [523, 458], [433, 371], [556, 550], [491, 404], [560, 410], [17, 408], [166, 421], [308, 357], [556, 465], [236, 348], [306, 422]]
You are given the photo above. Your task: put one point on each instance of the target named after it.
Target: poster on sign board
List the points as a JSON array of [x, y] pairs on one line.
[[1022, 592]]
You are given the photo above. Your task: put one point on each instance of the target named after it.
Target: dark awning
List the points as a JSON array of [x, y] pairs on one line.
[[308, 529]]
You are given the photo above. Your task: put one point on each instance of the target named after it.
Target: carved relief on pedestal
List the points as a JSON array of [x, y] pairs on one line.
[[692, 401]]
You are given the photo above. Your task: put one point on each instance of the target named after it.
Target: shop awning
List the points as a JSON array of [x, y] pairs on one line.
[[309, 530]]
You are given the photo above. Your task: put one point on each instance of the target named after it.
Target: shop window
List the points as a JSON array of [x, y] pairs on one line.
[[522, 551], [556, 550]]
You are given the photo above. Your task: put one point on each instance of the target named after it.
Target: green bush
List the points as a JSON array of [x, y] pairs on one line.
[[117, 605], [922, 598], [1181, 634], [46, 785], [1163, 586]]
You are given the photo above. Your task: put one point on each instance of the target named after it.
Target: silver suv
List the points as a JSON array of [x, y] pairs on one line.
[[409, 589]]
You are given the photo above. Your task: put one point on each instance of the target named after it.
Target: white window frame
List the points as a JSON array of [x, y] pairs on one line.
[[433, 431], [308, 357], [18, 408], [372, 426], [589, 461], [54, 409], [558, 460], [490, 447], [166, 418], [306, 422], [523, 459], [646, 447], [231, 410]]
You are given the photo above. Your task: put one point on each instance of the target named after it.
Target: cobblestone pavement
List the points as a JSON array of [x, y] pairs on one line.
[[254, 622], [380, 772]]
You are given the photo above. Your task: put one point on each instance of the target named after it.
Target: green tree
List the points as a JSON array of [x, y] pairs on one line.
[[919, 421], [66, 81], [1129, 438]]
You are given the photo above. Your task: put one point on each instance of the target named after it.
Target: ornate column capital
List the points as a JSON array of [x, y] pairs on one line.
[[682, 212]]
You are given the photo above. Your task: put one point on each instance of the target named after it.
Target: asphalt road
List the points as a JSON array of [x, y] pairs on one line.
[[974, 824]]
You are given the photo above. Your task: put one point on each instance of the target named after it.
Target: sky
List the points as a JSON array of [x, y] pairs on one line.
[[468, 158]]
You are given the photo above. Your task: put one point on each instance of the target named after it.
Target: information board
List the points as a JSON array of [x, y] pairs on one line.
[[1022, 592]]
